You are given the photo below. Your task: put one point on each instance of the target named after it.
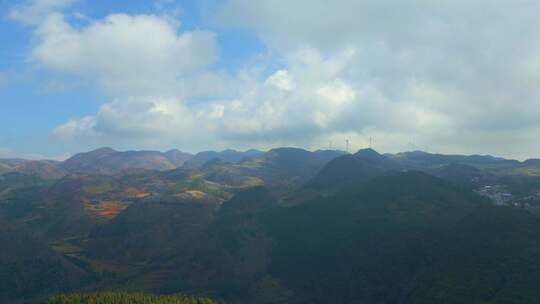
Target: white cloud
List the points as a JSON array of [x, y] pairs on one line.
[[130, 118], [302, 104], [281, 80], [33, 12], [265, 111], [76, 128], [127, 55], [151, 122], [445, 74], [337, 93]]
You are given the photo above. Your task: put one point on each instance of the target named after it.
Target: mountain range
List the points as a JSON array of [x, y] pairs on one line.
[[107, 161], [283, 226]]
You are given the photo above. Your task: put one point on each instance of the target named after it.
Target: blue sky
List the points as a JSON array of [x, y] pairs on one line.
[[445, 76], [30, 110]]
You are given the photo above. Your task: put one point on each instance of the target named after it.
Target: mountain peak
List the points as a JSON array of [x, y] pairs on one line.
[[230, 151], [103, 150], [100, 152], [368, 153], [288, 150], [254, 151]]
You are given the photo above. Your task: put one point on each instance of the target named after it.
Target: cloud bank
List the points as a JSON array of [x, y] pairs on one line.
[[457, 75], [452, 76]]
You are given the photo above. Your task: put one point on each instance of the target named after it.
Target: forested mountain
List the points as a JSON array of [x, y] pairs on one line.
[[424, 159], [44, 169], [405, 238], [177, 157], [231, 156], [284, 226], [109, 161], [29, 269], [352, 168]]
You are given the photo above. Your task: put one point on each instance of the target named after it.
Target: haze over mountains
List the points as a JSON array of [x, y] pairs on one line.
[[109, 161]]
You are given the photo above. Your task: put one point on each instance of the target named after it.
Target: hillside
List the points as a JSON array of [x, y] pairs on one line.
[[286, 226], [420, 159], [45, 169], [177, 157], [231, 156], [390, 239], [280, 170], [29, 270], [352, 168], [4, 168], [407, 238], [151, 229], [109, 161]]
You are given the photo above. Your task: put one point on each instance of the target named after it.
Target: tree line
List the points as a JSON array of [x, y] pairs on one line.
[[126, 298]]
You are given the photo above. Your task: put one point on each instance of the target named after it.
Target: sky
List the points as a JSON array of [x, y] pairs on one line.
[[459, 76]]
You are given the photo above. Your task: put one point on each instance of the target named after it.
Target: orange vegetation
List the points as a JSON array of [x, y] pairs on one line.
[[106, 209]]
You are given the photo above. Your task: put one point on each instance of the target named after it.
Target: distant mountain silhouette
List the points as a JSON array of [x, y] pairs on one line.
[[353, 168], [177, 157], [109, 161], [420, 159], [229, 155], [45, 169], [534, 162], [279, 169]]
